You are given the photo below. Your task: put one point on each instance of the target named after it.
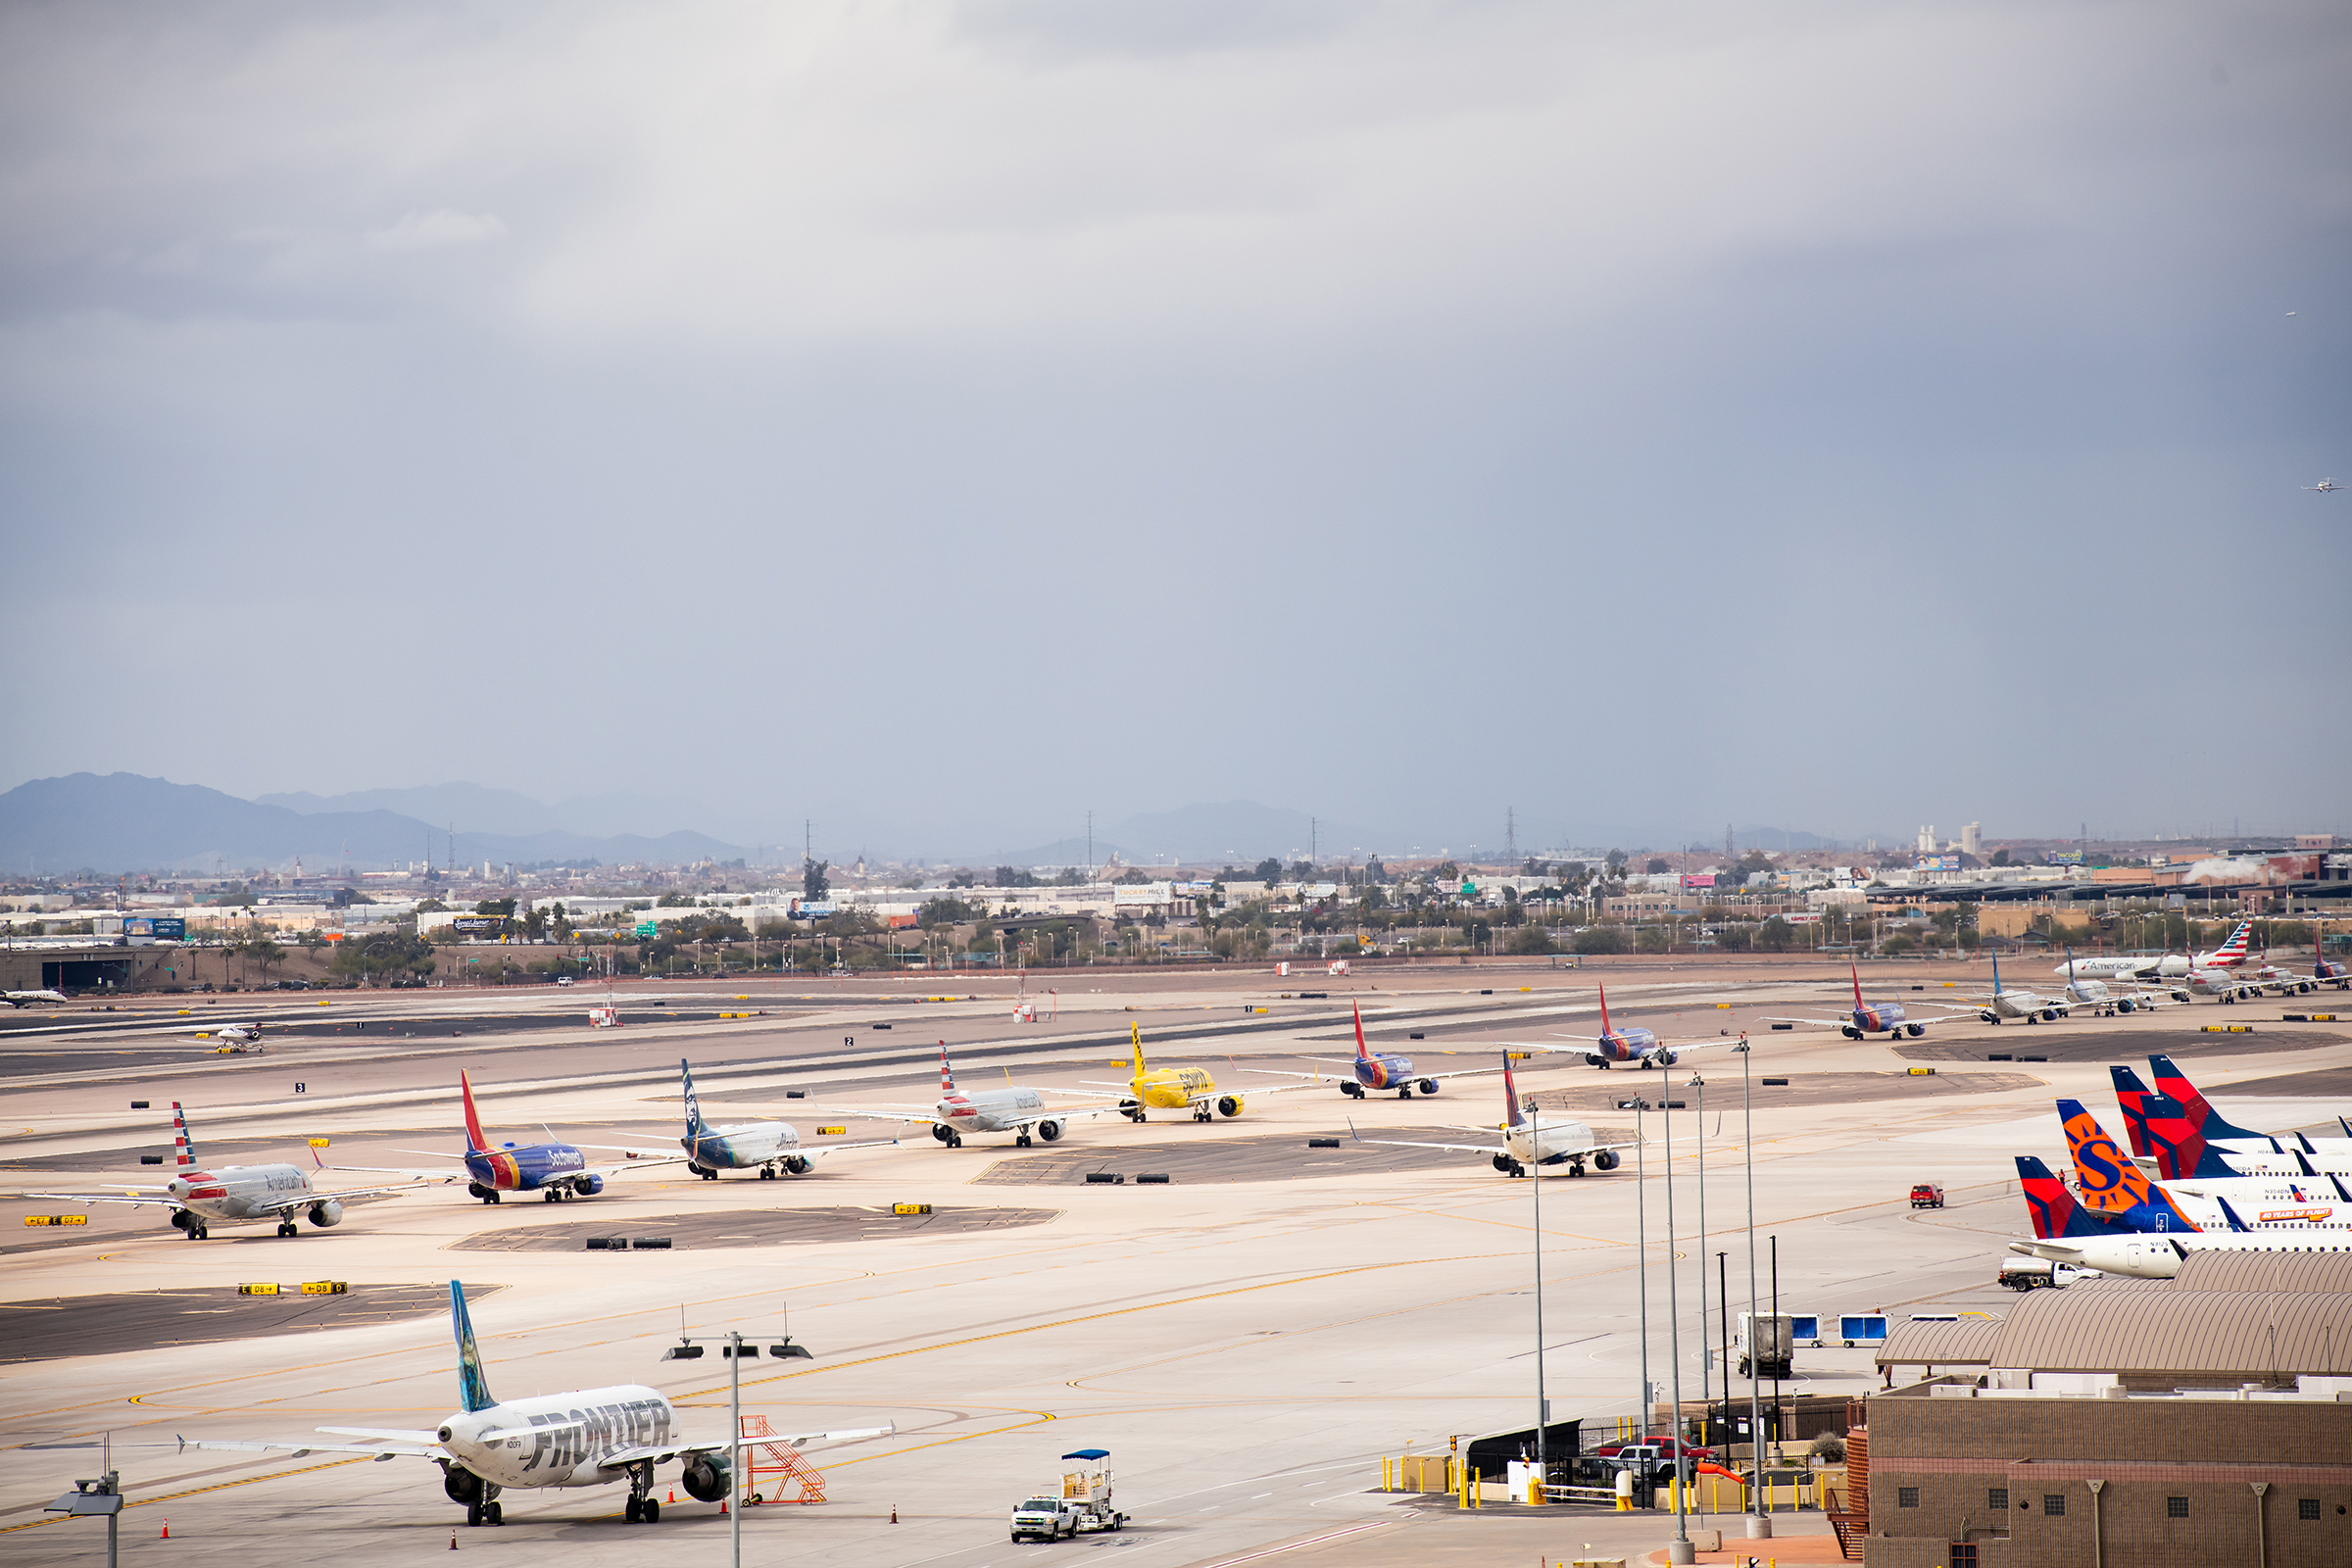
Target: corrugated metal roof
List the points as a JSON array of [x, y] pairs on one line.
[[2087, 1328], [2203, 1270], [1964, 1342]]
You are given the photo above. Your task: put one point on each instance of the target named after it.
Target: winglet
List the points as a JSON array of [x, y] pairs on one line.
[[474, 1389], [2230, 1214], [475, 1143]]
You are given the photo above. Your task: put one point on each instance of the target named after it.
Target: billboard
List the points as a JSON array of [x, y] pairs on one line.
[[2065, 858], [480, 925], [141, 929], [1703, 879], [812, 908], [1936, 862], [1143, 896]]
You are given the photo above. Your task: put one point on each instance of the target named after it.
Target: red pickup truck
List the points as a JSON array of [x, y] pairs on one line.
[[1926, 1195]]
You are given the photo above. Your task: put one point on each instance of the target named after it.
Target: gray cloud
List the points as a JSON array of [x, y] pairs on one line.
[[941, 419]]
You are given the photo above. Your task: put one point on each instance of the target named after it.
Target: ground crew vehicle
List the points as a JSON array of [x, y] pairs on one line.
[[1766, 1339], [1926, 1195], [1076, 1506]]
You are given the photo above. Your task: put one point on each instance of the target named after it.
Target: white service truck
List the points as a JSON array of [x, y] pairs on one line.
[[1765, 1344], [1078, 1505]]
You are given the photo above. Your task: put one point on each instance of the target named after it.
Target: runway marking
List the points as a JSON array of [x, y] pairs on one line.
[[196, 1492], [1332, 1535]]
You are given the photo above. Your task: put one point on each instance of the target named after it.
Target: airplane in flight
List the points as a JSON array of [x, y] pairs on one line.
[[554, 1170], [587, 1437], [239, 1195], [1378, 1073], [771, 1146], [1870, 1017], [26, 998], [1613, 1046], [1192, 1089], [1527, 1143], [1015, 1109], [2323, 486], [2161, 965]]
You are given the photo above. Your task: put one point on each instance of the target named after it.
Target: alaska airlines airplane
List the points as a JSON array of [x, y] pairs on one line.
[[554, 1170], [591, 1438], [772, 1147], [2030, 1005], [239, 1195], [1380, 1073], [1526, 1142], [1869, 1018], [1014, 1108]]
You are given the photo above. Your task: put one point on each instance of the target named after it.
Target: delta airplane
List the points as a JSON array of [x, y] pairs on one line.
[[26, 999], [1526, 1143], [554, 1170], [2066, 1233], [2164, 965], [1869, 1018], [2177, 1127], [1381, 1072], [1613, 1046], [239, 1195], [1192, 1089], [2239, 1203], [591, 1438], [1014, 1108], [771, 1146]]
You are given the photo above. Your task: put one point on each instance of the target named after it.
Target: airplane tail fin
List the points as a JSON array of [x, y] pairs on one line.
[[2236, 946], [2053, 1209], [1604, 1009], [2132, 1096], [1997, 973], [1135, 1038], [1512, 1115], [2111, 1185], [1361, 1054], [1856, 970], [475, 1143], [694, 1107], [946, 1073], [2172, 1083], [183, 1149], [2179, 1149], [474, 1389]]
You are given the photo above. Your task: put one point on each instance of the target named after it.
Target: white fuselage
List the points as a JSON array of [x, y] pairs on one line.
[[1556, 1139], [558, 1439], [2158, 1257], [242, 1193], [2273, 1203], [743, 1147], [2025, 1005], [989, 1110]]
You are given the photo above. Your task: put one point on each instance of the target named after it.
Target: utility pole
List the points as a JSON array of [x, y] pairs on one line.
[[1511, 834]]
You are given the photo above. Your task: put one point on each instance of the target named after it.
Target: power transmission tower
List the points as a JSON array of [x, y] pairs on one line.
[[1731, 855], [1511, 834]]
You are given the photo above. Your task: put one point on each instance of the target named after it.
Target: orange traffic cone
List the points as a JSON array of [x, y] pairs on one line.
[[894, 1513], [453, 1540], [166, 1529], [674, 1494], [722, 1505]]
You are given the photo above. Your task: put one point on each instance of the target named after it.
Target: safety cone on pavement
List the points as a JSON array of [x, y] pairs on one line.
[[166, 1529], [674, 1494], [894, 1513], [453, 1540], [722, 1505]]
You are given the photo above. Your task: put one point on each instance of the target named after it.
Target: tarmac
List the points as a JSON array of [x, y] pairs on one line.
[[1247, 1339]]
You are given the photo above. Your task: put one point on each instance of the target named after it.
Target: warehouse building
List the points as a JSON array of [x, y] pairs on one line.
[[2201, 1420]]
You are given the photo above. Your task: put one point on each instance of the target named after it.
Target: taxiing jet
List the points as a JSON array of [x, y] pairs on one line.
[[771, 1146], [554, 1170], [1613, 1046], [2018, 1002], [591, 1438], [239, 1195], [1014, 1108], [2161, 965], [1192, 1089], [1379, 1073], [1870, 1017], [1526, 1143], [26, 999]]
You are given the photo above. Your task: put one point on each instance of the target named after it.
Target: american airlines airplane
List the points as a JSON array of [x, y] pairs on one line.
[[1015, 1109], [239, 1195], [589, 1437], [2164, 965]]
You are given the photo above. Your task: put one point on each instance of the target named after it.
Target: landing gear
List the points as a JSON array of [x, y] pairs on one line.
[[288, 1227], [954, 1139], [1203, 1114], [196, 1229], [1515, 1169], [1406, 1092], [552, 1194], [1576, 1167], [708, 1173], [1021, 1142], [641, 1506], [1352, 1091]]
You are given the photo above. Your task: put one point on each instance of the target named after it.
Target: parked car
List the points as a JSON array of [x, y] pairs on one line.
[[1926, 1195]]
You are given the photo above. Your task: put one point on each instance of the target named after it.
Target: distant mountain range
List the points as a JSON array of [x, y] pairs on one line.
[[126, 823]]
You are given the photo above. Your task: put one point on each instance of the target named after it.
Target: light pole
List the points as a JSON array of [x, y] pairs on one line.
[[690, 1349], [1680, 1549], [1641, 1248], [1706, 1340], [1759, 1524], [1535, 1175]]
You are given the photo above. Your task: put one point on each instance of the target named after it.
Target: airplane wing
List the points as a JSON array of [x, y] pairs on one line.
[[630, 1150], [132, 1198], [297, 1449], [1209, 1097], [386, 1434], [819, 1150], [1414, 1143]]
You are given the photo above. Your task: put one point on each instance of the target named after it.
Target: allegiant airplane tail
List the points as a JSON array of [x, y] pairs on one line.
[[2053, 1209], [184, 1148], [475, 1143], [2132, 1096], [2173, 1084], [474, 1389], [2111, 1183]]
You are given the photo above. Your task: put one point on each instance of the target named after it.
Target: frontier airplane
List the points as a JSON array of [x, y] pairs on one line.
[[591, 1438], [238, 1194]]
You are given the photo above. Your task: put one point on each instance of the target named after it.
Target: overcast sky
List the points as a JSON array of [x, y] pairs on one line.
[[941, 419]]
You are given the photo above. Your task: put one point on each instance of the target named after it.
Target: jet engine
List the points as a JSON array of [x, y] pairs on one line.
[[461, 1484], [706, 1477], [477, 1189], [1228, 1105], [1048, 1130], [1988, 1015], [589, 1185], [939, 1132], [1915, 1030], [327, 1213], [1429, 1086], [1593, 1059], [1662, 1059], [181, 1219], [1502, 1163], [1606, 1159], [1849, 1031], [798, 1164]]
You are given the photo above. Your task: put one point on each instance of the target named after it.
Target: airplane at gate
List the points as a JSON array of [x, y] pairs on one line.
[[2066, 1233], [1526, 1143], [2245, 1149], [1014, 1108], [1380, 1073], [769, 1147], [589, 1437], [239, 1195]]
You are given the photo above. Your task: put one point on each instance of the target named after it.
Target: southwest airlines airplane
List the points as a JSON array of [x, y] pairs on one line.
[[554, 1170], [1377, 1074], [591, 1438]]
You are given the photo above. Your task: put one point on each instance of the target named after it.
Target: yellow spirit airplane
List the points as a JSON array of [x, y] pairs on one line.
[[1190, 1089]]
